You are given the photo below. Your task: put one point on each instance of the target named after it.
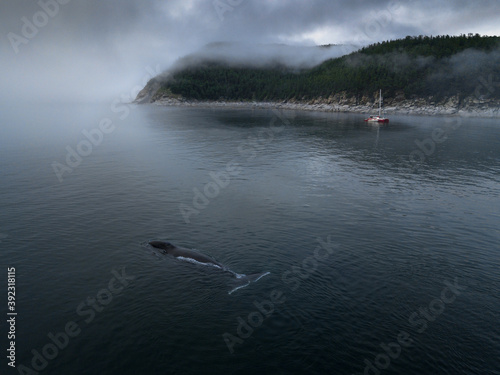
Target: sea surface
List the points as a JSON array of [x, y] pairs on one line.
[[382, 242]]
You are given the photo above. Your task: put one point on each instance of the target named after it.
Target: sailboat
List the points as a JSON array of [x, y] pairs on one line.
[[378, 118]]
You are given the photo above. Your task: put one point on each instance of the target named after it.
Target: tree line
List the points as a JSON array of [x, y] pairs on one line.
[[422, 66]]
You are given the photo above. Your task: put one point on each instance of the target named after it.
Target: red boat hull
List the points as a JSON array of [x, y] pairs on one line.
[[381, 120]]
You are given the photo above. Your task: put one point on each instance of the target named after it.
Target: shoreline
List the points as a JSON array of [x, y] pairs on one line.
[[403, 108]]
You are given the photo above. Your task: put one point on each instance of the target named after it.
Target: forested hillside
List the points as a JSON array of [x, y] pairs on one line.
[[423, 66]]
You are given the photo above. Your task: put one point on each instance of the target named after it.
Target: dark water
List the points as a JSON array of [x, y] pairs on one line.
[[406, 281]]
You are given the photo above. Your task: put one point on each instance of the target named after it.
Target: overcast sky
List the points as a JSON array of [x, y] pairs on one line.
[[103, 49]]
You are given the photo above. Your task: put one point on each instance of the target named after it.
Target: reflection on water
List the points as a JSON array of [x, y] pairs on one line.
[[409, 206]]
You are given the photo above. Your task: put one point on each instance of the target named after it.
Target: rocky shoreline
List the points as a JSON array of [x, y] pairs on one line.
[[451, 107], [471, 106]]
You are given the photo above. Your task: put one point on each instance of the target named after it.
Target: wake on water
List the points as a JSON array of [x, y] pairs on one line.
[[240, 279], [245, 280]]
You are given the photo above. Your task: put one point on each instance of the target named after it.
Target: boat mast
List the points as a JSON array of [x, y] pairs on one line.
[[380, 104]]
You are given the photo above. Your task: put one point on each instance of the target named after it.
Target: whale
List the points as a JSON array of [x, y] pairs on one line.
[[181, 253]]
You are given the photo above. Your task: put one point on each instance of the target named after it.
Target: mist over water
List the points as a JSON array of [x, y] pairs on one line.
[[73, 51], [394, 235], [382, 244]]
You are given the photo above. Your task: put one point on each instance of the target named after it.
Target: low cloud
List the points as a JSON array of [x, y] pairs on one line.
[[94, 49], [261, 55]]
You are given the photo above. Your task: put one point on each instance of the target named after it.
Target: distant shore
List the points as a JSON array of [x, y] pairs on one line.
[[408, 107]]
